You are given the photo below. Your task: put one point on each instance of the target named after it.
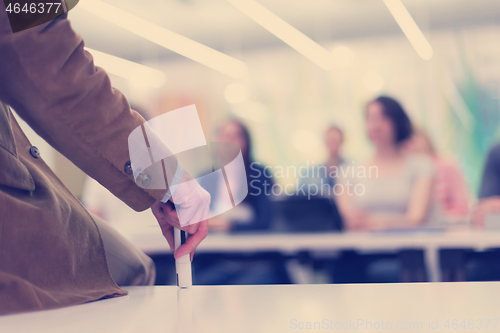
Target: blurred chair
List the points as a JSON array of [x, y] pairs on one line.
[[303, 214]]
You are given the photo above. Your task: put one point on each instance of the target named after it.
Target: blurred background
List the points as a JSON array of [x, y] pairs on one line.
[[288, 70]]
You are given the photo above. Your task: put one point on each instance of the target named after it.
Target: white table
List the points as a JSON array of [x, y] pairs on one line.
[[151, 241], [285, 308]]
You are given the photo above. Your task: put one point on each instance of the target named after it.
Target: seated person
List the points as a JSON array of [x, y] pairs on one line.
[[324, 175], [485, 265], [394, 189], [489, 193], [255, 212], [450, 190]]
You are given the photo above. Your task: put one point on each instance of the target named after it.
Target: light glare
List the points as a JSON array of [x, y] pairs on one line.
[[168, 39], [137, 74], [410, 28], [284, 31]]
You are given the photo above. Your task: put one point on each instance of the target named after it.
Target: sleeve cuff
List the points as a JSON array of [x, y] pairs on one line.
[[175, 183]]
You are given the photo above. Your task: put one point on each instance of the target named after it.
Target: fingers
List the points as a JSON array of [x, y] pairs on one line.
[[157, 210], [165, 214], [167, 219], [191, 215], [191, 229], [193, 240], [168, 233]]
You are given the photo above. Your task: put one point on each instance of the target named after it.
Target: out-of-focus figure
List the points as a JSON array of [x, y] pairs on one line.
[[334, 138], [394, 189], [488, 207], [325, 175], [484, 265], [313, 207], [255, 212], [391, 191], [450, 190]]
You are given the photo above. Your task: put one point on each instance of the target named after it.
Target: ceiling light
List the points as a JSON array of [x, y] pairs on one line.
[[168, 39], [138, 74], [284, 31], [410, 28]]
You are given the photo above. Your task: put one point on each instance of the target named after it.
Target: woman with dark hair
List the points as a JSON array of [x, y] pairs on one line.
[[254, 213], [394, 191]]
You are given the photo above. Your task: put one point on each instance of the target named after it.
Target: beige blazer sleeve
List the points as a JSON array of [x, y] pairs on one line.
[[52, 83]]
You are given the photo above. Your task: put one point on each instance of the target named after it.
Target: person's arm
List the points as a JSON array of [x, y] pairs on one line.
[[48, 78], [51, 82], [490, 183], [459, 194], [353, 218], [418, 208], [489, 193], [486, 206]]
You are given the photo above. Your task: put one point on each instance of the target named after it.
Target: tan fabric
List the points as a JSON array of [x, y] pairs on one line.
[[51, 253]]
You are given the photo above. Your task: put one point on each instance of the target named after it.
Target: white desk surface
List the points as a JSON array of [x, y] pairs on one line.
[[150, 240], [256, 309]]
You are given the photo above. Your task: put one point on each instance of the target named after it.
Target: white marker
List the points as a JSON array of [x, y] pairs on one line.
[[183, 264]]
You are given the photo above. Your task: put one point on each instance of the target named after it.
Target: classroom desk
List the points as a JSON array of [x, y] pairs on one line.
[[151, 241], [426, 307]]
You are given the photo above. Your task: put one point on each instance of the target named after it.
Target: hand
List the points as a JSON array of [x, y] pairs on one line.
[[192, 204], [356, 220], [377, 223], [167, 218], [484, 207]]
